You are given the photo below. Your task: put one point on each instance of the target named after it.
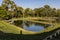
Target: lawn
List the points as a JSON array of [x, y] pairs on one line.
[[9, 28]]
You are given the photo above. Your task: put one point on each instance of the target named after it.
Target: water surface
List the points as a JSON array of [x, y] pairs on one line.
[[30, 26]]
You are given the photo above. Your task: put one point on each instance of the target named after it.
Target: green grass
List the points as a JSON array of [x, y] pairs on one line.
[[35, 19], [9, 28], [51, 28]]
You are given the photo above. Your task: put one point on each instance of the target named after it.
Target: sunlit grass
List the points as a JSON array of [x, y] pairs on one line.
[[9, 28]]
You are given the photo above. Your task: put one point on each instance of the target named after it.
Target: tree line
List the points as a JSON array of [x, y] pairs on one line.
[[8, 9]]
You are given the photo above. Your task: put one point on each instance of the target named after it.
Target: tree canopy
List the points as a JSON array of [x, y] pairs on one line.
[[9, 8]]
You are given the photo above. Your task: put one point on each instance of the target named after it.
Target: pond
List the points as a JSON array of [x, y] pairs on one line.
[[30, 26]]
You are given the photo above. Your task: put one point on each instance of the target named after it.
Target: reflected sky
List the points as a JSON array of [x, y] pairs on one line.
[[34, 28]]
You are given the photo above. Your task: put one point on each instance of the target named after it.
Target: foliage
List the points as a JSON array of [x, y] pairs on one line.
[[10, 8]]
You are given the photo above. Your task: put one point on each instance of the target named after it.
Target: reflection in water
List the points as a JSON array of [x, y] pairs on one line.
[[30, 25], [33, 27], [19, 23]]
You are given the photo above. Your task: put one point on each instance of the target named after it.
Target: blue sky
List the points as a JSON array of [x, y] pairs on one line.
[[36, 3]]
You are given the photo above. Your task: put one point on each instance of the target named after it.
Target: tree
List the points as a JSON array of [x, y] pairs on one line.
[[20, 11], [27, 12], [58, 12], [36, 12], [2, 13], [46, 6]]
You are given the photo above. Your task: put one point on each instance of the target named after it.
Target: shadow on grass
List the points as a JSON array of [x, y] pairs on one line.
[[10, 36]]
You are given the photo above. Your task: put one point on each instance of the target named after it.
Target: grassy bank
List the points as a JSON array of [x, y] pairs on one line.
[[9, 28]]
